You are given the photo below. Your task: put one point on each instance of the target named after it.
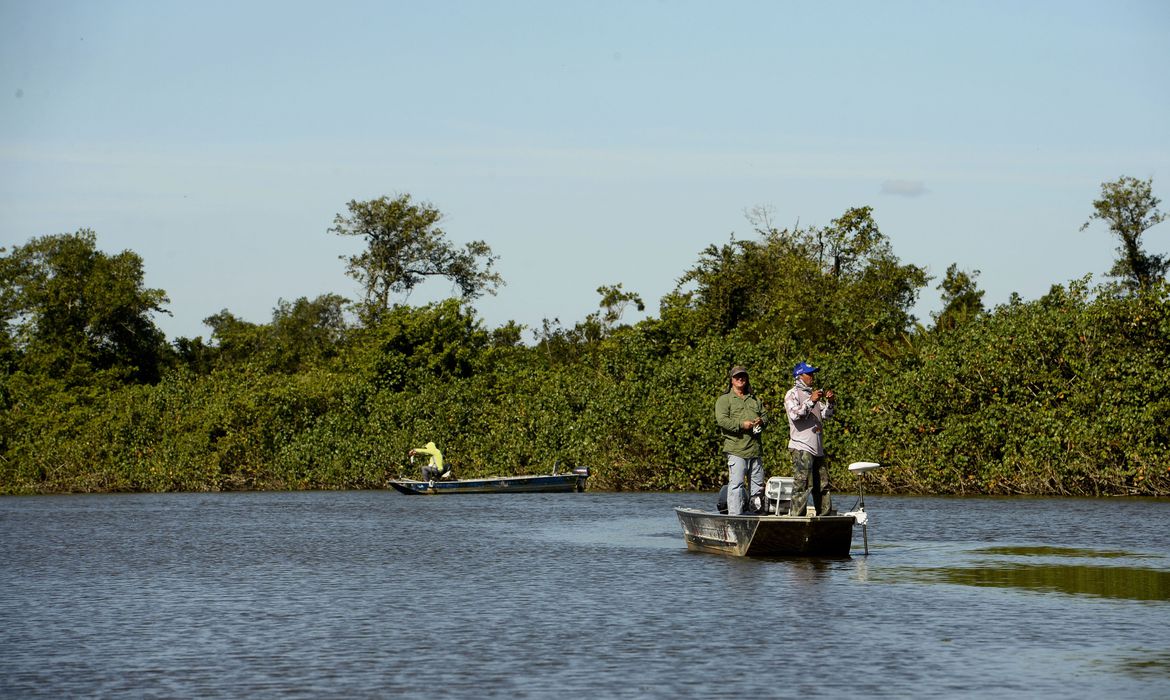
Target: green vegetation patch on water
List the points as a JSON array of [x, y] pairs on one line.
[[1156, 664], [1128, 583], [1053, 552]]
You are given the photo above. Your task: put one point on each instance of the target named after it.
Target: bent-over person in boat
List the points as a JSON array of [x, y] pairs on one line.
[[434, 469]]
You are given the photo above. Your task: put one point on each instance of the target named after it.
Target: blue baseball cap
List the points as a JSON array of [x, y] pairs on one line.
[[803, 368]]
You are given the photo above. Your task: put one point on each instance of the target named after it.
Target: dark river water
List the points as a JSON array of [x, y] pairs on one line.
[[375, 594]]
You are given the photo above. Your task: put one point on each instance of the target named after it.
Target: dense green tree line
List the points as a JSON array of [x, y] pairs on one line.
[[1066, 394]]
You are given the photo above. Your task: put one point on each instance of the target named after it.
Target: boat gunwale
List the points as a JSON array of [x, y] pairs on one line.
[[491, 478], [771, 517], [524, 483]]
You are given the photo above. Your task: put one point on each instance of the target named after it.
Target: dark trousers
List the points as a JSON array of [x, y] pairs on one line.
[[807, 468]]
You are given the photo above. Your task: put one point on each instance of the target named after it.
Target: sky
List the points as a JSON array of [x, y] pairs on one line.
[[587, 143]]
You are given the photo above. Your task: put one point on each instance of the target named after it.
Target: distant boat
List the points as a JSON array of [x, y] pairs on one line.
[[773, 533], [545, 483]]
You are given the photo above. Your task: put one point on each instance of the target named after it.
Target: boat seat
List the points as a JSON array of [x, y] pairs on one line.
[[778, 491]]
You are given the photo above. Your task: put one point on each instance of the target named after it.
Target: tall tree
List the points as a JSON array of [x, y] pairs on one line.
[[308, 331], [1129, 207], [410, 345], [819, 286], [405, 246], [962, 299], [68, 310], [302, 333], [614, 301], [601, 323], [850, 242]]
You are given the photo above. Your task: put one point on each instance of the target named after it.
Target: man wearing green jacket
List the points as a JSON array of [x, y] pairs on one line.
[[741, 418]]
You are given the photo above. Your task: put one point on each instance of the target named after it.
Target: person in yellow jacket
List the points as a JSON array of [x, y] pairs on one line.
[[434, 469]]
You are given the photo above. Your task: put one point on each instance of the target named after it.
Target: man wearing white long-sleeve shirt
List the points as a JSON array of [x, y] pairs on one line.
[[807, 409]]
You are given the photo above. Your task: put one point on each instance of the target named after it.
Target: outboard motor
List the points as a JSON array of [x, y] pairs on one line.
[[721, 504], [582, 474]]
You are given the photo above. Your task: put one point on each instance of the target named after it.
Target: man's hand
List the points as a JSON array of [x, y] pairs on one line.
[[816, 395]]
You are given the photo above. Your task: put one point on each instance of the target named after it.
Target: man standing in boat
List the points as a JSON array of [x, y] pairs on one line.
[[434, 468], [741, 418], [807, 409]]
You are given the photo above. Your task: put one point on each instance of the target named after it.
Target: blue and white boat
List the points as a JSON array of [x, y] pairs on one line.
[[567, 482]]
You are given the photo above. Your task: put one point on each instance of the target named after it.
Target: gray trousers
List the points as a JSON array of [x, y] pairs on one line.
[[738, 469]]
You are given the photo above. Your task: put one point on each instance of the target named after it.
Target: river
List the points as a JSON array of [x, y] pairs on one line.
[[369, 594]]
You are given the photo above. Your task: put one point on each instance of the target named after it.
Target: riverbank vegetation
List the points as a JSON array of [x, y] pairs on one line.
[[1067, 394]]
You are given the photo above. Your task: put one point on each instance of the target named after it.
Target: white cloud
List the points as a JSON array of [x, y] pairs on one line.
[[904, 188]]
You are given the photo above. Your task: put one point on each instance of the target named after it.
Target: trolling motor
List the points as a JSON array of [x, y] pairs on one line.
[[858, 512]]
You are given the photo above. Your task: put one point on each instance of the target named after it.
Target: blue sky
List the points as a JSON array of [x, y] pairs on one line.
[[588, 143]]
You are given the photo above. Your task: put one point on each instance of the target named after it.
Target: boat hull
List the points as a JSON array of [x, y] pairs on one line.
[[548, 483], [766, 535]]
